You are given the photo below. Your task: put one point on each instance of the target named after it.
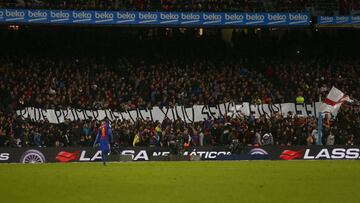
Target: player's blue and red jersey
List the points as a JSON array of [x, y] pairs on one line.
[[104, 136]]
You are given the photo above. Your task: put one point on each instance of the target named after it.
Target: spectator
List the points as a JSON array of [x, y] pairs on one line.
[[330, 140], [37, 137], [257, 138], [267, 139]]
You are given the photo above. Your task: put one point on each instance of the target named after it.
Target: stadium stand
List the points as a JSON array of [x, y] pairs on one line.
[[201, 100], [150, 72], [167, 5], [342, 7], [326, 7]]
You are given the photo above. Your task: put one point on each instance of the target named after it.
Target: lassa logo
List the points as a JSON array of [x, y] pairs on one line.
[[4, 156], [336, 153], [64, 156], [290, 154]]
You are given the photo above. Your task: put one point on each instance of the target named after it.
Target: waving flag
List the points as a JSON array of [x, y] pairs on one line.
[[334, 100], [136, 139]]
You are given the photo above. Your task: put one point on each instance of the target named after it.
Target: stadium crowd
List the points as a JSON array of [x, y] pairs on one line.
[[166, 5], [349, 6], [344, 6], [277, 130], [84, 84], [87, 84], [189, 70]]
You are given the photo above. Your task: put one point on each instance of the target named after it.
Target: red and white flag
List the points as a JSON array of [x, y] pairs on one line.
[[333, 101]]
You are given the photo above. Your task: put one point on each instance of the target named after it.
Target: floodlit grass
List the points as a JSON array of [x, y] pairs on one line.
[[156, 182]]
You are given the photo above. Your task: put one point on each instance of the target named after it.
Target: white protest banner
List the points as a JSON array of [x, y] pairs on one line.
[[192, 114]]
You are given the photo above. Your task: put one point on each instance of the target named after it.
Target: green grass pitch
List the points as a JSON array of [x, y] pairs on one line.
[[201, 182]]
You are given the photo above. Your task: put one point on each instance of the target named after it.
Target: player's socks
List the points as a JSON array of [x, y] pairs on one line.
[[103, 156]]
